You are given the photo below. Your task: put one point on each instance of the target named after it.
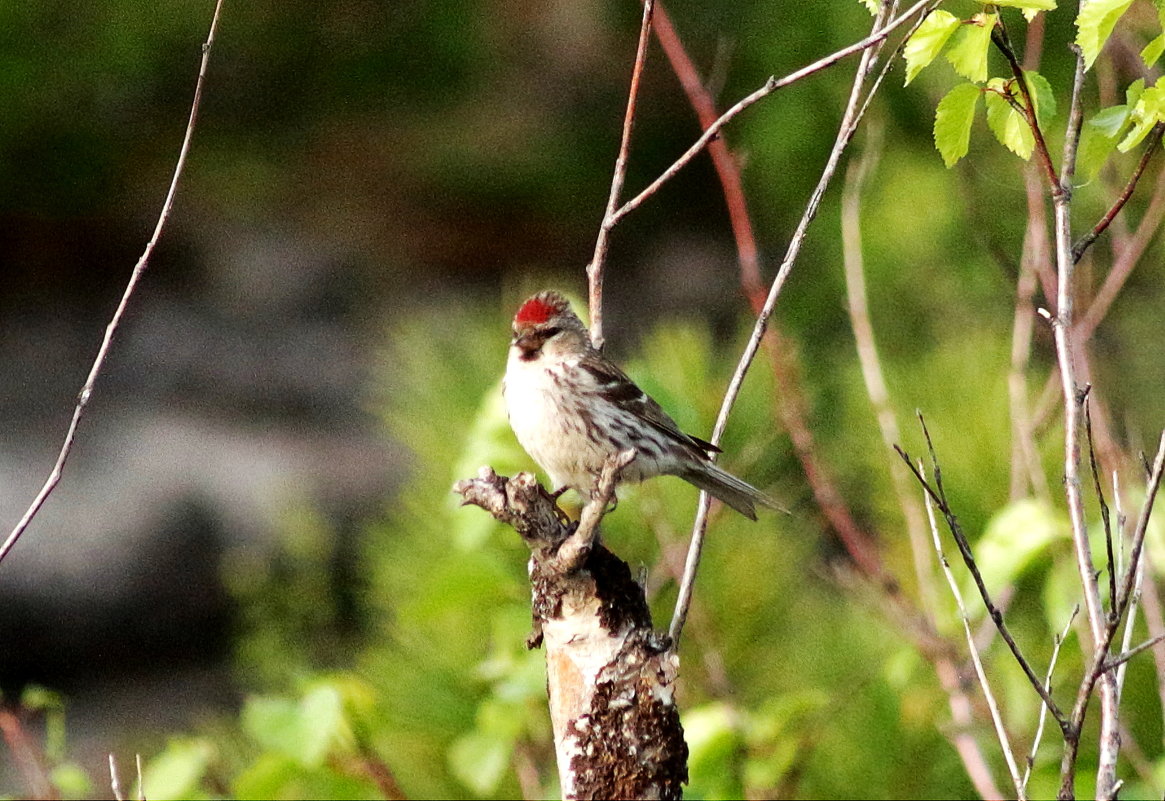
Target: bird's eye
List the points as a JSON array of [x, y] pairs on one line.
[[552, 331]]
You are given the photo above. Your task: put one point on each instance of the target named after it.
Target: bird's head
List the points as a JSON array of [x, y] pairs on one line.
[[546, 321]]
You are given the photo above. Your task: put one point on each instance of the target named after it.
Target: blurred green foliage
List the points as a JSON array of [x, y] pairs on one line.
[[507, 118]]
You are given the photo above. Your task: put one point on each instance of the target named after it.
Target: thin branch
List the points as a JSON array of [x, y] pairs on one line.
[[1126, 590], [845, 133], [1125, 656], [1084, 242], [770, 86], [939, 495], [980, 673], [1056, 643], [723, 160], [1104, 515], [114, 779], [595, 268], [135, 276], [1001, 40], [1125, 262], [573, 552]]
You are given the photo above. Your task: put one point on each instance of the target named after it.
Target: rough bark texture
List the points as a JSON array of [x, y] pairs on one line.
[[610, 676]]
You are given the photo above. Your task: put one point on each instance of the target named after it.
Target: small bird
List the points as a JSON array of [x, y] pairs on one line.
[[572, 408]]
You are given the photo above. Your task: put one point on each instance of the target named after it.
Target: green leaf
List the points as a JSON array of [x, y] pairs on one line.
[[480, 760], [1094, 25], [177, 772], [1098, 137], [71, 780], [305, 730], [928, 41], [1042, 96], [1014, 538], [952, 122], [1133, 93], [871, 5], [1153, 51], [1149, 111], [968, 55], [1009, 126]]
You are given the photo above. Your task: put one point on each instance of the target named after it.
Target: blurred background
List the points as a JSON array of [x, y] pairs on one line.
[[254, 573]]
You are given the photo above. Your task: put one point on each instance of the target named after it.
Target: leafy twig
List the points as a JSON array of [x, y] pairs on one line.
[[1084, 242]]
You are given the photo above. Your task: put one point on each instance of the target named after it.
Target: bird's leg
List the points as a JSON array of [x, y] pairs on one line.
[[562, 516]]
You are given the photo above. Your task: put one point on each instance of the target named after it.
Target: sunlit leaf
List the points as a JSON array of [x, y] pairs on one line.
[[968, 54], [928, 41], [1094, 25], [1098, 137], [952, 122], [1149, 111], [1152, 51], [1009, 126], [1015, 537], [1042, 95], [177, 772]]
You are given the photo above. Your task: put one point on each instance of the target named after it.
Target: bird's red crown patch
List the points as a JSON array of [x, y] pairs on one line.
[[538, 309]]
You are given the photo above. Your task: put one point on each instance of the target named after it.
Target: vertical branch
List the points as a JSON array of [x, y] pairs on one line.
[[595, 268], [111, 329], [1025, 463], [1065, 339]]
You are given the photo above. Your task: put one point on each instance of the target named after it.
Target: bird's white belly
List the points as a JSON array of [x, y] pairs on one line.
[[550, 425]]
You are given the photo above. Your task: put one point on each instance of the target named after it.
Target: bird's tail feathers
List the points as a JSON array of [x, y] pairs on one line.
[[739, 494]]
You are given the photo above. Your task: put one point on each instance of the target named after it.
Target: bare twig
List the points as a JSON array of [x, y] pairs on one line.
[[1126, 260], [573, 552], [770, 86], [1120, 659], [1084, 242], [980, 673], [845, 133], [937, 493], [1056, 643], [135, 276], [1104, 515], [727, 168], [595, 268], [114, 779], [1025, 461], [867, 349]]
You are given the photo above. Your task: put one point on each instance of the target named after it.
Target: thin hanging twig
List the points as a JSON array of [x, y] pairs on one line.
[[135, 276]]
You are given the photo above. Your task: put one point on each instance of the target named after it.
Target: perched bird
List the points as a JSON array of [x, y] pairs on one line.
[[572, 408]]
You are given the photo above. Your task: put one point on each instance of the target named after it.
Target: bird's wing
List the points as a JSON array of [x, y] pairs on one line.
[[615, 386]]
